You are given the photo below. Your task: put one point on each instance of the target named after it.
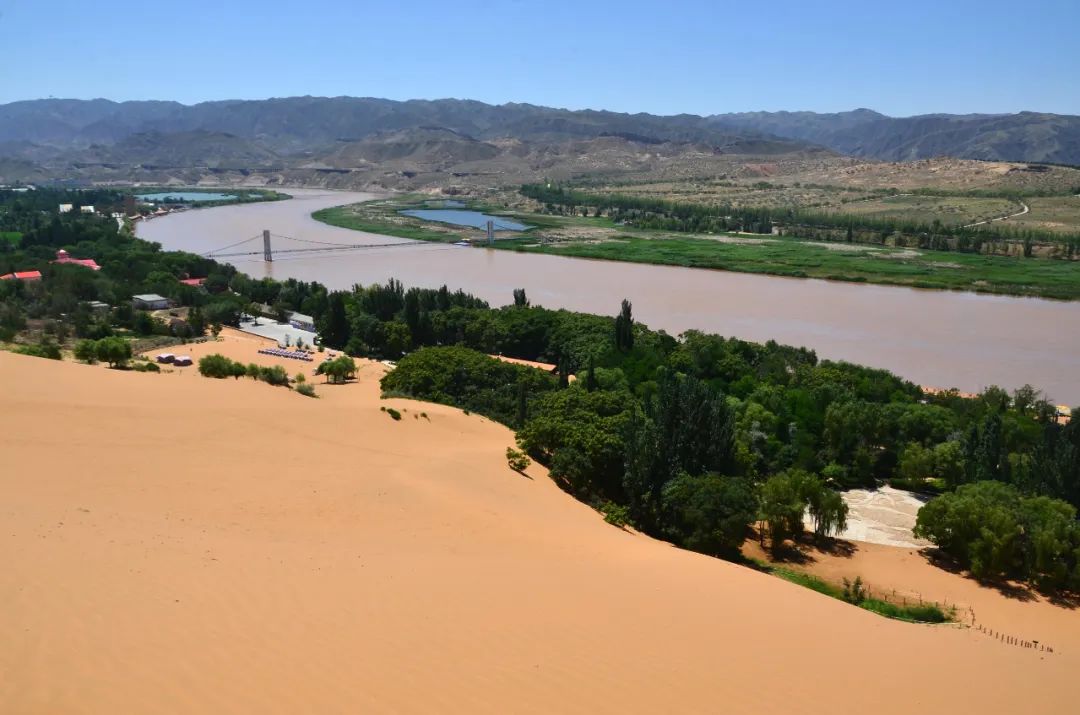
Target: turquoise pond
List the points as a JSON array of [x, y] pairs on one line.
[[185, 196], [460, 217]]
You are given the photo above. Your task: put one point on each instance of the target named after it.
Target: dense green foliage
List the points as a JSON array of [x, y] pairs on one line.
[[337, 370], [997, 531], [219, 366], [468, 379]]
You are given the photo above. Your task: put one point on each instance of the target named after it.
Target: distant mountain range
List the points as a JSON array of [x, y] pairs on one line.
[[1027, 136], [382, 139]]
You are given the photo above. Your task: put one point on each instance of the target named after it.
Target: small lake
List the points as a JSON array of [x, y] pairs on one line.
[[462, 217], [182, 196]]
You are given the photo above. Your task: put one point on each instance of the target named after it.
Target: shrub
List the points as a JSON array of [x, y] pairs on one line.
[[306, 389], [86, 350], [615, 514], [393, 413], [854, 591], [146, 367], [218, 366], [42, 350], [275, 375], [517, 459]]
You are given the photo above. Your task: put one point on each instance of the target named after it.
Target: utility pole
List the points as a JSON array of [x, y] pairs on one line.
[[268, 255], [491, 233]]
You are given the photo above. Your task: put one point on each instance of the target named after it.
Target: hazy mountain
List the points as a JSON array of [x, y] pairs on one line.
[[1027, 136], [307, 124], [350, 132]]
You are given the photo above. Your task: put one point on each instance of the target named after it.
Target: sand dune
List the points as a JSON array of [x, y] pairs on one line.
[[175, 545]]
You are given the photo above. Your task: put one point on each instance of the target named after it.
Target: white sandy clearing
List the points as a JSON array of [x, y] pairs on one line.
[[882, 516], [187, 545]]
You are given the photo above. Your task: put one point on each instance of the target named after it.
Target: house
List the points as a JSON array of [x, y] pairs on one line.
[[88, 209], [63, 256], [64, 208], [166, 358], [149, 301], [22, 276], [301, 321], [98, 307], [193, 282], [182, 360]]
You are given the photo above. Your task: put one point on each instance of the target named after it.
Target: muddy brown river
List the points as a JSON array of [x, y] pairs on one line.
[[937, 338]]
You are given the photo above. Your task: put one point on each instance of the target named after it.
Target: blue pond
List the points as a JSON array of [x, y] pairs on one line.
[[460, 217], [185, 196]]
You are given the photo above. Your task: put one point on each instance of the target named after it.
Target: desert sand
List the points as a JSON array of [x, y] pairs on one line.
[[186, 545]]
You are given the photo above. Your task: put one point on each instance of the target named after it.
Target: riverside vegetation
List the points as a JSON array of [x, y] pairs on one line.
[[690, 438], [797, 242]]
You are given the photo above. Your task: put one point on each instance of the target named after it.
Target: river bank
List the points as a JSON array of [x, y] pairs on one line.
[[949, 339], [600, 238]]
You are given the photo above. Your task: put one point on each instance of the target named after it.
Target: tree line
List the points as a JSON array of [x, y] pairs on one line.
[[679, 216]]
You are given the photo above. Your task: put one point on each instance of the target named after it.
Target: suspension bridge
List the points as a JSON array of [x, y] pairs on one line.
[[250, 247]]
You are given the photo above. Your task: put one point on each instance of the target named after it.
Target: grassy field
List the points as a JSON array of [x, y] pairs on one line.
[[599, 238], [949, 210], [802, 259], [10, 237], [1060, 214]]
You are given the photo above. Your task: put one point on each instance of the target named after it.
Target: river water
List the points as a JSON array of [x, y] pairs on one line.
[[937, 338]]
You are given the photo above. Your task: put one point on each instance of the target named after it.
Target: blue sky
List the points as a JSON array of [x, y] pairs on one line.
[[662, 57]]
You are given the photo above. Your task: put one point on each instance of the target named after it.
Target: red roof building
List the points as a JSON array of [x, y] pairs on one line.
[[193, 282], [22, 276], [62, 256]]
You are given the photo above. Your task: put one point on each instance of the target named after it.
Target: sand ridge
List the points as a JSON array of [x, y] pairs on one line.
[[193, 545]]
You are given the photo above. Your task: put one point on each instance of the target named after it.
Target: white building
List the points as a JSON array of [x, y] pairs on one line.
[[149, 301]]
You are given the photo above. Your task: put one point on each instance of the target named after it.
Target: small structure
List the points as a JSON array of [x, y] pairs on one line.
[[193, 282], [166, 358], [64, 257], [98, 307], [182, 360], [301, 321], [87, 209], [149, 301], [64, 208], [22, 276]]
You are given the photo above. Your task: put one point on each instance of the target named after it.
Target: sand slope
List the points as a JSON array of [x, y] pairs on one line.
[[175, 545]]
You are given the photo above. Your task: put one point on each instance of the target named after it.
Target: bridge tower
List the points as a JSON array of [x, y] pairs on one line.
[[491, 233], [268, 255]]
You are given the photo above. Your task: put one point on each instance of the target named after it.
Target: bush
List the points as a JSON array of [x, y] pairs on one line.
[[306, 389], [219, 366], [517, 459], [86, 350], [42, 350], [275, 375], [393, 413], [615, 514], [146, 367]]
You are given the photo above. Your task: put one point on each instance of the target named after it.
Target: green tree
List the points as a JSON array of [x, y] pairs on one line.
[[624, 328], [709, 513], [86, 350], [115, 351]]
